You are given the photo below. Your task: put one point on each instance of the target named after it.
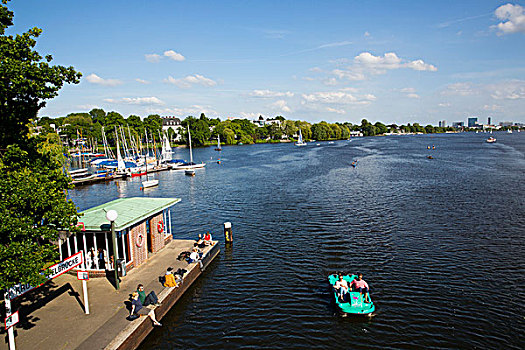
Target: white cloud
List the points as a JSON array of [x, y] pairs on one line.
[[330, 81], [251, 115], [512, 17], [348, 75], [337, 97], [390, 61], [190, 80], [459, 89], [507, 90], [143, 101], [153, 57], [421, 66], [366, 35], [95, 79], [142, 81], [492, 108], [270, 94], [410, 92], [175, 56], [444, 104], [335, 110], [194, 110], [281, 105]]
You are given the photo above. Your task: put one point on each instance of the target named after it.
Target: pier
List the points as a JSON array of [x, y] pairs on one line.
[[52, 316]]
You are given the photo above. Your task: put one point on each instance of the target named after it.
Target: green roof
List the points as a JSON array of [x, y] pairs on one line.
[[130, 211]]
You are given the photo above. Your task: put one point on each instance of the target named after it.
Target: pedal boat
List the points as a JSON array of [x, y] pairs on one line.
[[355, 303]]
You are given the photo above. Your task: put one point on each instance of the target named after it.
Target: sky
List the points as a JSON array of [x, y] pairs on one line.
[[338, 61]]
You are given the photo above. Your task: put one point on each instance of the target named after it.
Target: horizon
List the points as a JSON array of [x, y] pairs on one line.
[[395, 63]]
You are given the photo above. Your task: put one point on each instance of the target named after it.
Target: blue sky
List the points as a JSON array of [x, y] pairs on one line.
[[388, 61]]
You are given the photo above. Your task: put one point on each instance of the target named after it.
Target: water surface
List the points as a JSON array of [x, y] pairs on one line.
[[440, 242]]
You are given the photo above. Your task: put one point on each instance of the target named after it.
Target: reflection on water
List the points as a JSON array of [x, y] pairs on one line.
[[428, 235]]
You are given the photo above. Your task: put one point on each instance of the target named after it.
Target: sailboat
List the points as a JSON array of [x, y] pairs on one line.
[[218, 148], [300, 141], [189, 165]]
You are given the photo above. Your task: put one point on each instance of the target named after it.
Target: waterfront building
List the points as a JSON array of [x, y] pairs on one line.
[[442, 123], [174, 124], [506, 124], [489, 121], [472, 122], [143, 227], [458, 125]]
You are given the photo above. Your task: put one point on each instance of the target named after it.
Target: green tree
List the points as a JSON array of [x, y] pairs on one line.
[[290, 128], [336, 131], [321, 131], [380, 128]]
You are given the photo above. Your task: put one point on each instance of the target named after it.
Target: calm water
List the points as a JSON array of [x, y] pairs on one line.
[[439, 241]]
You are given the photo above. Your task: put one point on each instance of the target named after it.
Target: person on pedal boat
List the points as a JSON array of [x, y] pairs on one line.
[[360, 286], [342, 287]]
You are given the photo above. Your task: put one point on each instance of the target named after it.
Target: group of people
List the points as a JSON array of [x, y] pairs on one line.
[[139, 299], [342, 287], [99, 259]]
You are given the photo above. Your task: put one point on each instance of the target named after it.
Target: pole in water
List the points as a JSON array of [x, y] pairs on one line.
[[228, 234]]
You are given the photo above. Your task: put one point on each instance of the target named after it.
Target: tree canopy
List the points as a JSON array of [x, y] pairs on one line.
[[33, 204]]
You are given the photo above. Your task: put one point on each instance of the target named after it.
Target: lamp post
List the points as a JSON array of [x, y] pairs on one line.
[[112, 215]]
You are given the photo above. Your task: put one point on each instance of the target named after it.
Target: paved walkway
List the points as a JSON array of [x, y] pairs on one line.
[[52, 316]]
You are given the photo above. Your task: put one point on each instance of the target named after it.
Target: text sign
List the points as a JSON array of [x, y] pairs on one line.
[[11, 320], [56, 270], [83, 275]]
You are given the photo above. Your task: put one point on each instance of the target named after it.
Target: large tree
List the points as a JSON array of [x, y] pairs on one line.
[[33, 204]]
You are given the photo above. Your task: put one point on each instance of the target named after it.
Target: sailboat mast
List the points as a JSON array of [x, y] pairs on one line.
[[189, 138]]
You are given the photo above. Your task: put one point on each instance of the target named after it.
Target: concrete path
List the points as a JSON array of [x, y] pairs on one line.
[[52, 316]]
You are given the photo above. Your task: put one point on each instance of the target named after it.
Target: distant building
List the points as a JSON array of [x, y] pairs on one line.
[[458, 125], [442, 123], [174, 124], [506, 123], [489, 121], [472, 122], [260, 122]]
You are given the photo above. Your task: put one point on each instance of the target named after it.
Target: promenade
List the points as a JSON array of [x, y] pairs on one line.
[[52, 316]]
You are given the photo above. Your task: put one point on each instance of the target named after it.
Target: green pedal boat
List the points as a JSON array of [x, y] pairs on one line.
[[354, 303]]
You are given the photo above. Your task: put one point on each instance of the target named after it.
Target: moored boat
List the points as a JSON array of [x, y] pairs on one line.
[[491, 139], [355, 303]]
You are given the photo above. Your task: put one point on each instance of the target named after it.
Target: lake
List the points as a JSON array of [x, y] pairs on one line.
[[440, 242]]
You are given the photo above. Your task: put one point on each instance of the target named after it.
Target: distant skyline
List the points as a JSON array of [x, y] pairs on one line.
[[393, 62]]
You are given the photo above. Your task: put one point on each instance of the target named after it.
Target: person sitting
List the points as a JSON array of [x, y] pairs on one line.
[[204, 239], [137, 309], [194, 256], [145, 300], [341, 287], [360, 286], [170, 278]]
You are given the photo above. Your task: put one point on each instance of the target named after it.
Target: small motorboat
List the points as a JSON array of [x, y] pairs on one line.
[[354, 163], [491, 139], [150, 183], [430, 157], [355, 305]]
